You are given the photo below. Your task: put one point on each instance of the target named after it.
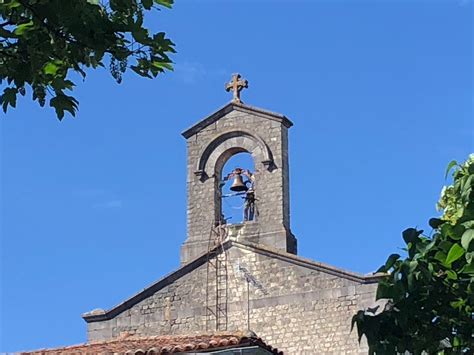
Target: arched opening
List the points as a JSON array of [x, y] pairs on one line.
[[236, 188], [227, 144]]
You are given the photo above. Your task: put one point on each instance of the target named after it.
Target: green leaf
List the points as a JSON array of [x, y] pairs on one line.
[[457, 342], [458, 303], [468, 224], [431, 265], [470, 257], [467, 238], [165, 3], [412, 265], [140, 71], [141, 35], [427, 248], [440, 256], [435, 223], [454, 254], [389, 263], [445, 245], [399, 290], [470, 169], [25, 27], [469, 183], [93, 2], [59, 84], [451, 275], [410, 235], [147, 4], [384, 291], [62, 103], [12, 4], [50, 68], [451, 164], [468, 269], [162, 65], [8, 98], [358, 319]]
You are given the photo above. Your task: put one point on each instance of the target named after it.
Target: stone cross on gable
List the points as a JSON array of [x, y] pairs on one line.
[[236, 85]]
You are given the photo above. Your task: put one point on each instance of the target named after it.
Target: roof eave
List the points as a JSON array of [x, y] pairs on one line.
[[150, 290]]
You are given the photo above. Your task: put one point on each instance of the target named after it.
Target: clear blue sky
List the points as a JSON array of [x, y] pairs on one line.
[[93, 208]]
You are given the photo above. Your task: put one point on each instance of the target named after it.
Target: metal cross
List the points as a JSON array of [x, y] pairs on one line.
[[236, 85]]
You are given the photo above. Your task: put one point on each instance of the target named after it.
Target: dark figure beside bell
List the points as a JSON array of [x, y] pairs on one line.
[[249, 208]]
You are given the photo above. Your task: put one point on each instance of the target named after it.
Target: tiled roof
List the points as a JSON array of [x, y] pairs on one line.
[[164, 344]]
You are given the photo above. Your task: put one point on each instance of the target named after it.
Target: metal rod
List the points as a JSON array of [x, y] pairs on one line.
[[217, 292], [248, 304]]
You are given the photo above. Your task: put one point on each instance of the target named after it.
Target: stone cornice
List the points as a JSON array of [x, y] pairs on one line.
[[231, 106], [308, 263], [97, 315]]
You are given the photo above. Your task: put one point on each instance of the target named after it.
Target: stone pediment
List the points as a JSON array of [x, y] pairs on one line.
[[231, 106], [99, 315]]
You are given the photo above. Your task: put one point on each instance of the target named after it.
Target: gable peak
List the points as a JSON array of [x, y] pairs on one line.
[[235, 106]]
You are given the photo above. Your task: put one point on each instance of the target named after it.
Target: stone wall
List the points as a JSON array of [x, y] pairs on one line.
[[239, 129], [307, 308]]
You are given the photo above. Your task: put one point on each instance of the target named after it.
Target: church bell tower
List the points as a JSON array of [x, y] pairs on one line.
[[233, 129]]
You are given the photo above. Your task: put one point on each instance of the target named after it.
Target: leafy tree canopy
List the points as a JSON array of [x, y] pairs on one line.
[[43, 40], [430, 293]]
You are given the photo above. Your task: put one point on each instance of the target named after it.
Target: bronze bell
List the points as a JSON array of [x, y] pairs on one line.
[[238, 184]]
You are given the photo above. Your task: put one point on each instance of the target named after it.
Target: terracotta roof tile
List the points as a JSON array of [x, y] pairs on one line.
[[164, 344]]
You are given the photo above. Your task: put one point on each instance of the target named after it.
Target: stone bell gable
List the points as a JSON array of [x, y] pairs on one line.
[[233, 129], [301, 306]]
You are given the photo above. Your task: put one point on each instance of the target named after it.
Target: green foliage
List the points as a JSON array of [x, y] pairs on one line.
[[43, 40], [430, 294]]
